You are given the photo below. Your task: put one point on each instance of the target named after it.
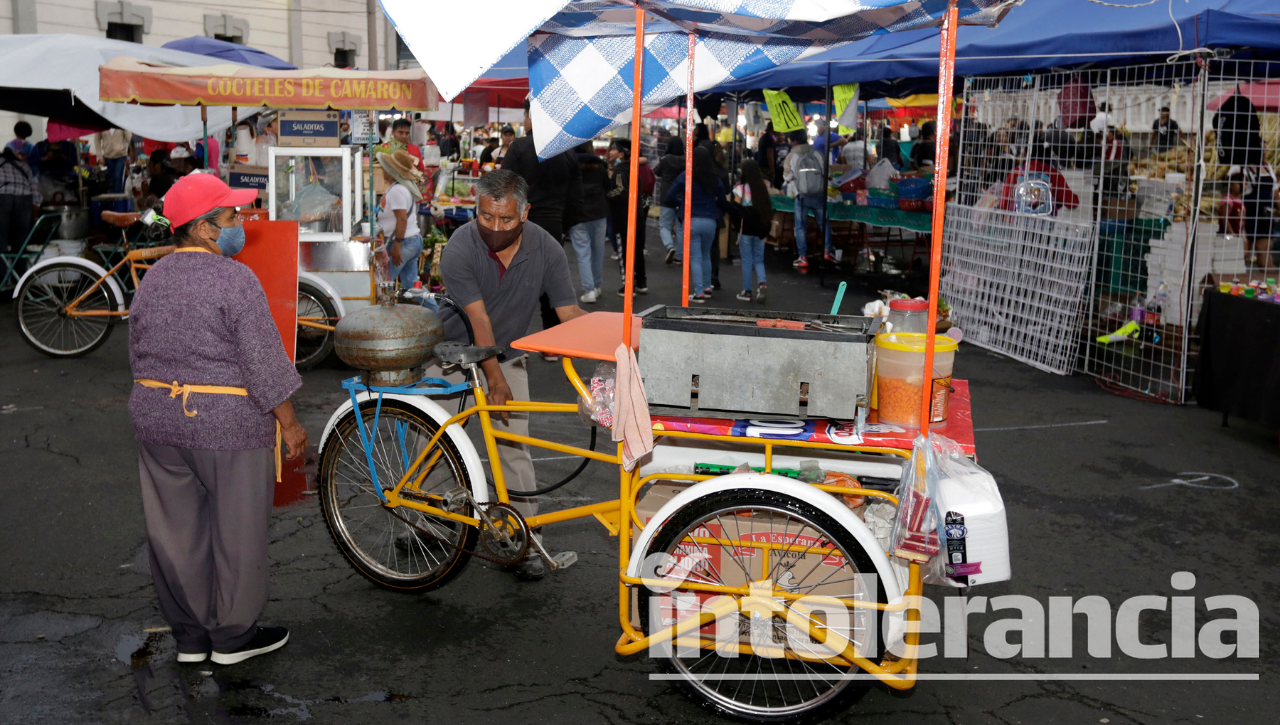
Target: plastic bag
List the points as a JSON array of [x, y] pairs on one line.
[[950, 517], [881, 175], [915, 528], [599, 408]]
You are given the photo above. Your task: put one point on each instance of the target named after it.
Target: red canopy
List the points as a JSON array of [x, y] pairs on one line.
[[1264, 95]]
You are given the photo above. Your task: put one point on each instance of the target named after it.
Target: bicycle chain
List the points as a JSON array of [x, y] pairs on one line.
[[446, 542]]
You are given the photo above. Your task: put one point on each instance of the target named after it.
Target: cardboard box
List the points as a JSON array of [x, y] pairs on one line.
[[794, 572], [244, 176], [316, 129], [1117, 208], [380, 183]]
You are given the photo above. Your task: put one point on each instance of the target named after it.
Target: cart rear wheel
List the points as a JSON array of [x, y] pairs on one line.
[[795, 684], [388, 545], [41, 306], [313, 345]]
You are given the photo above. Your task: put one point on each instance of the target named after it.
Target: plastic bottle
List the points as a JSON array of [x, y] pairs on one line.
[[1138, 309], [1161, 303], [1151, 316]]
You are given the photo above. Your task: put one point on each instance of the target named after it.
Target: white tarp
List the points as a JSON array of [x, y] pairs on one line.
[[581, 52], [55, 75]]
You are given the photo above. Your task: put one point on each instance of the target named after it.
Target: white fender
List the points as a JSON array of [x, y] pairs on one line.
[[97, 269], [432, 409], [327, 288], [818, 498]]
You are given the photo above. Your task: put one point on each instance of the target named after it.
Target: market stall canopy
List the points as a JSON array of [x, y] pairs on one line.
[[1042, 34], [234, 52], [129, 80], [56, 76], [581, 51]]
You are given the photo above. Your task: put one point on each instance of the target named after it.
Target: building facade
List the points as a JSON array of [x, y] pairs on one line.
[[307, 33]]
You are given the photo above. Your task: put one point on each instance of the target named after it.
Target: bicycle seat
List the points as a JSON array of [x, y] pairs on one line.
[[456, 353], [121, 218]]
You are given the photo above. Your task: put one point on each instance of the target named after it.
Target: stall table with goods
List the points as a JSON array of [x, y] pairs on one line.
[[1239, 368]]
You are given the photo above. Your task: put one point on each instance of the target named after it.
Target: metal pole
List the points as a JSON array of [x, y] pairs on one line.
[[373, 11], [942, 148], [826, 167], [633, 196], [688, 171], [204, 122]]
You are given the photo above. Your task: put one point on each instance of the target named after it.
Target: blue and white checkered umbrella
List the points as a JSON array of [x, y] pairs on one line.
[[581, 51]]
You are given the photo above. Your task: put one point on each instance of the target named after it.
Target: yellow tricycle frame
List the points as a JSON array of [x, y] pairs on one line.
[[619, 516]]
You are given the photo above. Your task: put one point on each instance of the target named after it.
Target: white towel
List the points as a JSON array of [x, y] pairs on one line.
[[631, 422]]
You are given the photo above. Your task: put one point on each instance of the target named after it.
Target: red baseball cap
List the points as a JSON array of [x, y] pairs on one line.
[[196, 194]]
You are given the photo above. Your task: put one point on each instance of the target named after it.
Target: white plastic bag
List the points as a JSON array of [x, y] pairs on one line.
[[881, 175]]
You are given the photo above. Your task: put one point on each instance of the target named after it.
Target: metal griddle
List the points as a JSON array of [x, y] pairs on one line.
[[743, 367]]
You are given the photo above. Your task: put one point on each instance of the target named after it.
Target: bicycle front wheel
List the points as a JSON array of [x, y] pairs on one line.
[[397, 548], [42, 311]]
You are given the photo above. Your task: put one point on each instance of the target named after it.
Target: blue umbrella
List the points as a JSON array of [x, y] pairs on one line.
[[222, 50]]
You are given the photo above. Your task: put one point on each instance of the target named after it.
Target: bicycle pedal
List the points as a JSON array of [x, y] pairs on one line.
[[564, 560], [456, 499]]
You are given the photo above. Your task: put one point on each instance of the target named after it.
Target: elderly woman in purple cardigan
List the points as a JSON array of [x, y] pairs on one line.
[[210, 403]]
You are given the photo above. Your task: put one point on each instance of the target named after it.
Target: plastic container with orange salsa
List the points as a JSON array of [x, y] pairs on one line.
[[900, 377]]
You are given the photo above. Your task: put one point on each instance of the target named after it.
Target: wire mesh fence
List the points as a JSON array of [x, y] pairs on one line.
[[1115, 151], [1016, 282]]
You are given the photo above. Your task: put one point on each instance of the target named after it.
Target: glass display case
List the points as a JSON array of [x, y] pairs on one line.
[[320, 188]]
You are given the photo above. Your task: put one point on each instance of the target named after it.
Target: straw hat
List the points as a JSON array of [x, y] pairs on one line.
[[403, 167]]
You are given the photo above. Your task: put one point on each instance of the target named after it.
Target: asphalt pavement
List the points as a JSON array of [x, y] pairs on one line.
[[1105, 496]]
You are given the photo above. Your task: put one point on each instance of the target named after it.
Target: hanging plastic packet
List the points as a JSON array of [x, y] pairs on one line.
[[915, 529], [599, 408]]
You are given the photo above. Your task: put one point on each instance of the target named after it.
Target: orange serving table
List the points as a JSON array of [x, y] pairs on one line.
[[594, 336]]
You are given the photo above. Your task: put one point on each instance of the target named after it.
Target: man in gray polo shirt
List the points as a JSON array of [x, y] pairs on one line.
[[496, 267]]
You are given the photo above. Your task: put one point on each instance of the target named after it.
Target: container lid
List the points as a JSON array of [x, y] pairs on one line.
[[915, 341], [905, 305]]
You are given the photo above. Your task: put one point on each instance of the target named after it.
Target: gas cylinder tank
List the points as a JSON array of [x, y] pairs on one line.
[[388, 341]]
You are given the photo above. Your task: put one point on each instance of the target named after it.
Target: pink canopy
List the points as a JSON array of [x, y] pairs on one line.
[[1264, 95]]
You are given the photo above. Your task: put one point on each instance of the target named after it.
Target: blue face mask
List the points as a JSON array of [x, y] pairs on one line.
[[231, 240]]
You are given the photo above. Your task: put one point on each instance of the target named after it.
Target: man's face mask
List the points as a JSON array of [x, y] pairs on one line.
[[497, 240]]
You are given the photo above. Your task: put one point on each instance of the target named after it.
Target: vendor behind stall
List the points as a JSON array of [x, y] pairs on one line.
[[210, 401], [398, 215]]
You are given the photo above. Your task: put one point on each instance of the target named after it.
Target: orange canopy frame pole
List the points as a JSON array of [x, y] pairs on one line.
[[942, 147], [633, 201], [688, 171]]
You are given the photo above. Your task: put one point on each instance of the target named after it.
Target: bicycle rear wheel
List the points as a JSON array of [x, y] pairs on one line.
[[41, 311], [387, 545], [793, 681], [313, 345]]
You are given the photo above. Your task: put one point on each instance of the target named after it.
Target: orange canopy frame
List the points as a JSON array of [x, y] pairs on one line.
[[946, 81], [129, 80]]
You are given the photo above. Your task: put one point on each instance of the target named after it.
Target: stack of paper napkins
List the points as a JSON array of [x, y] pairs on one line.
[[971, 527]]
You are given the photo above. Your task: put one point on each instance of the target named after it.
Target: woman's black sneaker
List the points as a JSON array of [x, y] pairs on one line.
[[266, 639]]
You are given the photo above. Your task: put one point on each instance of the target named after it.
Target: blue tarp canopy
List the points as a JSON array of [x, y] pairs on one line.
[[1041, 34], [233, 52]]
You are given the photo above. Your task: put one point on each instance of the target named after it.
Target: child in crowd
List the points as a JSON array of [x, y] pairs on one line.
[[753, 195]]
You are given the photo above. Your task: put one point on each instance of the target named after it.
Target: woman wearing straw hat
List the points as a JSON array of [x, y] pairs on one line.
[[398, 215]]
